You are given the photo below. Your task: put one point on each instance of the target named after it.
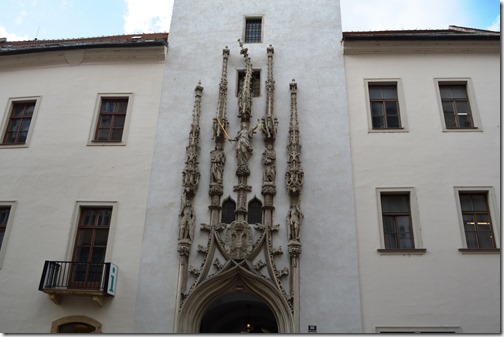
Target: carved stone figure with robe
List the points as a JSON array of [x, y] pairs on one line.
[[244, 144], [294, 218], [218, 160], [269, 158], [187, 222]]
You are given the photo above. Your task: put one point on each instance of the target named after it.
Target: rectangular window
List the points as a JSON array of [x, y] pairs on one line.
[[384, 104], [456, 108], [477, 220], [18, 123], [256, 82], [90, 246], [253, 30], [397, 222], [4, 217], [111, 119]]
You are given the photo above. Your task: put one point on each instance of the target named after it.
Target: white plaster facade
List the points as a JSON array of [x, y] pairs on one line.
[[60, 169], [307, 47], [443, 287]]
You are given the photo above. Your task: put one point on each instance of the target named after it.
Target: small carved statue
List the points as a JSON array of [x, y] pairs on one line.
[[269, 158], [187, 222], [218, 160], [294, 218], [244, 146]]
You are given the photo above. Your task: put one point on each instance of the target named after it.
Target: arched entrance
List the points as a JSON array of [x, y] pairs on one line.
[[237, 313]]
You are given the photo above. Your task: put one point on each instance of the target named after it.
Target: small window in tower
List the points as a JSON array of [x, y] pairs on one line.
[[253, 30]]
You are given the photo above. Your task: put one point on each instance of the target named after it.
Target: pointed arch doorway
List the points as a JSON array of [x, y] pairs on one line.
[[238, 312]]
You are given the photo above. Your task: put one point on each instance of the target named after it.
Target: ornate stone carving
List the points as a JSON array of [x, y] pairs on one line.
[[245, 95], [184, 248], [217, 264], [191, 173], [186, 228], [259, 265], [220, 123], [294, 174], [269, 123], [218, 159], [282, 273], [294, 218], [238, 240], [269, 161], [244, 144]]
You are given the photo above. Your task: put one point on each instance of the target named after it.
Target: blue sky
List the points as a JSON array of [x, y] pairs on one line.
[[64, 19]]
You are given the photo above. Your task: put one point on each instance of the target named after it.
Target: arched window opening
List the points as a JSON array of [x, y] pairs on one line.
[[76, 324], [228, 211], [254, 211]]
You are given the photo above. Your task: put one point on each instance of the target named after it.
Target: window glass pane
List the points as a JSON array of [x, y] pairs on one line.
[[393, 121], [25, 124], [450, 120], [2, 234], [390, 241], [101, 238], [406, 241], [387, 203], [119, 121], [459, 91], [377, 109], [85, 236], [391, 108], [389, 92], [375, 92], [465, 122], [29, 109], [82, 254], [254, 212], [14, 125], [102, 134], [486, 240], [107, 106], [104, 217], [469, 223], [466, 202], [462, 108], [403, 224], [389, 224], [483, 219], [472, 240], [446, 92], [105, 121], [253, 30], [18, 110], [479, 202], [448, 108], [10, 137], [4, 215], [116, 134], [402, 203], [76, 328], [228, 211], [98, 255], [121, 106], [22, 137]]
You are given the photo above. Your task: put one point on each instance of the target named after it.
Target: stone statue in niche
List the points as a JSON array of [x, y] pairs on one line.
[[244, 144], [269, 158], [238, 240], [187, 222], [294, 217], [218, 160]]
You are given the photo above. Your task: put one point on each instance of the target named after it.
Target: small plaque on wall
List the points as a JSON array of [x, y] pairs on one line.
[[312, 328]]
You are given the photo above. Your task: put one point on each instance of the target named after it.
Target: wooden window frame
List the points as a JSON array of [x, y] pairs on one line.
[[8, 118], [492, 211], [8, 227], [101, 98], [250, 33], [383, 101], [401, 108], [453, 102], [55, 326], [471, 102], [414, 220]]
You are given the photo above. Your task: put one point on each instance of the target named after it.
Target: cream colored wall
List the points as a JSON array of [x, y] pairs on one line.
[[443, 287], [58, 169]]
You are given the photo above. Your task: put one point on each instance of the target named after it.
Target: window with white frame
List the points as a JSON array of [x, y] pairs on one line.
[[399, 221], [6, 215], [18, 121], [457, 105], [111, 119], [253, 30], [475, 211]]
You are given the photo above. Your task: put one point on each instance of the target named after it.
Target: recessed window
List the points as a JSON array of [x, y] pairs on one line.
[[4, 217], [254, 215], [253, 30], [19, 120], [111, 119], [228, 211], [477, 221], [255, 85], [384, 106], [456, 108], [397, 222]]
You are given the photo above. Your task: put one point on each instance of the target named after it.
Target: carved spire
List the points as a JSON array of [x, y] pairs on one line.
[[220, 123], [294, 174], [191, 173], [269, 124], [190, 178], [245, 97]]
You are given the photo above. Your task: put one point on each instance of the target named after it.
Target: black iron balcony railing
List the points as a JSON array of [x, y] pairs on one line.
[[80, 278]]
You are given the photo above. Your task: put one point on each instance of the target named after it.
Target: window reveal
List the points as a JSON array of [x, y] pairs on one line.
[[397, 226], [456, 108], [19, 122]]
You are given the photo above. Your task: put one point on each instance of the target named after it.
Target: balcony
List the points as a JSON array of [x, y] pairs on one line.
[[95, 280]]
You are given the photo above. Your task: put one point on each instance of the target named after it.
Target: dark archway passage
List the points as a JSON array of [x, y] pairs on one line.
[[238, 312]]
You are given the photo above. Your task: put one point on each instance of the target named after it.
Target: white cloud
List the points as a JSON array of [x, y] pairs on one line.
[[12, 36], [365, 15], [147, 16], [495, 26]]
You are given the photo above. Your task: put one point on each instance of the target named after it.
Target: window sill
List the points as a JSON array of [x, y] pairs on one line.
[[13, 146], [389, 130], [475, 129], [479, 250], [400, 251], [95, 143]]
